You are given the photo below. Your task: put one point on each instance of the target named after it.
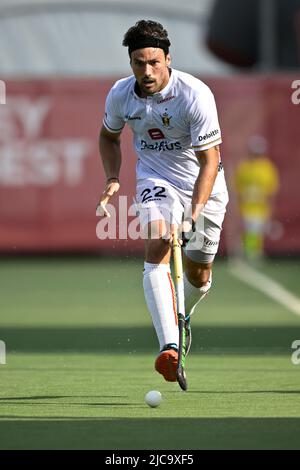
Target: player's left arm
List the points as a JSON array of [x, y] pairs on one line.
[[206, 137], [209, 161]]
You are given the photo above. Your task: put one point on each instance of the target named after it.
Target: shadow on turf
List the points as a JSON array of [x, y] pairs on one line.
[[81, 405], [34, 400], [218, 392], [46, 397], [245, 340], [149, 433]]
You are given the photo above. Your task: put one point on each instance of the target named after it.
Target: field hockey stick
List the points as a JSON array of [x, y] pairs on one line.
[[179, 287]]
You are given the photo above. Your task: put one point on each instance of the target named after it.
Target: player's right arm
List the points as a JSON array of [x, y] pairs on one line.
[[110, 151]]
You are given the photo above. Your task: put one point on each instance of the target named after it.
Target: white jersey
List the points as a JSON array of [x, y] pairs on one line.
[[168, 127]]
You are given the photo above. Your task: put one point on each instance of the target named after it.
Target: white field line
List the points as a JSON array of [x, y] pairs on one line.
[[242, 271]]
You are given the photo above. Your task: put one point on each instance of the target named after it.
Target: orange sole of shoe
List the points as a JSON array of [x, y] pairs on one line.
[[166, 364]]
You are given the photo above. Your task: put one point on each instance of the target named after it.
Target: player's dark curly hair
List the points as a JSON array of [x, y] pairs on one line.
[[146, 29]]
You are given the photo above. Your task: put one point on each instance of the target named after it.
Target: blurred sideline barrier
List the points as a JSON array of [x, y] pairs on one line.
[[51, 175]]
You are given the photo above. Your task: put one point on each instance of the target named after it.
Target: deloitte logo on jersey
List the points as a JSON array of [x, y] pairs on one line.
[[161, 146], [208, 136]]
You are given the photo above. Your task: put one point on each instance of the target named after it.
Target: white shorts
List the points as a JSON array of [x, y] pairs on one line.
[[157, 199]]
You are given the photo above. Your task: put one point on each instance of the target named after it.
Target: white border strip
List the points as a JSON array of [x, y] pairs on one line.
[[263, 283]]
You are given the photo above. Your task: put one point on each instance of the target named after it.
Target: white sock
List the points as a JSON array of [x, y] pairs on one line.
[[161, 302], [193, 295]]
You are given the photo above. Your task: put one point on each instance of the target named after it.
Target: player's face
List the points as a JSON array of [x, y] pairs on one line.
[[150, 68]]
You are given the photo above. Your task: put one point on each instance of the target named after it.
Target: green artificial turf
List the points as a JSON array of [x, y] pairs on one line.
[[80, 358]]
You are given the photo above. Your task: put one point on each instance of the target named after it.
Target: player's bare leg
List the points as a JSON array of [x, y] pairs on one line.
[[160, 298], [197, 282], [197, 273]]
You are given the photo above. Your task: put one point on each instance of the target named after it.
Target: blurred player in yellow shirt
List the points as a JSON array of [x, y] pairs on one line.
[[256, 182]]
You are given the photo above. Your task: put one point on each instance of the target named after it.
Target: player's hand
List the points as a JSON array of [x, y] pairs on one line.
[[111, 188], [185, 232], [188, 227]]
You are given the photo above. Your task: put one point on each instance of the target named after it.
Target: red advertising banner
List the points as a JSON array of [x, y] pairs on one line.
[[51, 176]]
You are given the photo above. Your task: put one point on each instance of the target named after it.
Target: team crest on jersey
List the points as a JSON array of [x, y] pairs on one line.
[[166, 119]]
